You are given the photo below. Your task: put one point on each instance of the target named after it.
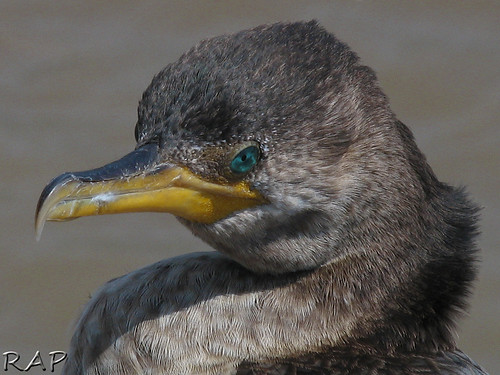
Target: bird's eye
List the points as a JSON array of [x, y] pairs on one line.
[[245, 160]]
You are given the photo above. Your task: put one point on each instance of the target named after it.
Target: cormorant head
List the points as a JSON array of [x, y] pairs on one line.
[[274, 145]]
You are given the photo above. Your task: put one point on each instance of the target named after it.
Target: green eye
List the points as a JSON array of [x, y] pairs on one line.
[[245, 160]]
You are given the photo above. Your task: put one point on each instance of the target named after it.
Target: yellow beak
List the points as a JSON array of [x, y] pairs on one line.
[[135, 184]]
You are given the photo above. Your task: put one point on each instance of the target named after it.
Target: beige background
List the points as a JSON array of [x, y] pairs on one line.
[[71, 74]]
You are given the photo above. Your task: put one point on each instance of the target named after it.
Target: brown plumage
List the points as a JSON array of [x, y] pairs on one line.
[[346, 255]]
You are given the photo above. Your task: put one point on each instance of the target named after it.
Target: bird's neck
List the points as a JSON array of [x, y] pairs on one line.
[[390, 292], [406, 289], [385, 301]]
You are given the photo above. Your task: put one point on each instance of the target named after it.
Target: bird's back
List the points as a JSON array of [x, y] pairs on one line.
[[349, 362]]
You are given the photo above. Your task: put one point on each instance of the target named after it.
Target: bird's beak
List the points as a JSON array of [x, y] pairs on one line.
[[138, 183]]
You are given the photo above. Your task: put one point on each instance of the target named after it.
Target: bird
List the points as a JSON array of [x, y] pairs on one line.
[[338, 250]]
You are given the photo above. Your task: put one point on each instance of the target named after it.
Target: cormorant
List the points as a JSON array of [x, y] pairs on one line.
[[339, 251]]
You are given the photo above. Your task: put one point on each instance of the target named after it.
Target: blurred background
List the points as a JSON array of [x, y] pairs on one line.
[[71, 74]]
